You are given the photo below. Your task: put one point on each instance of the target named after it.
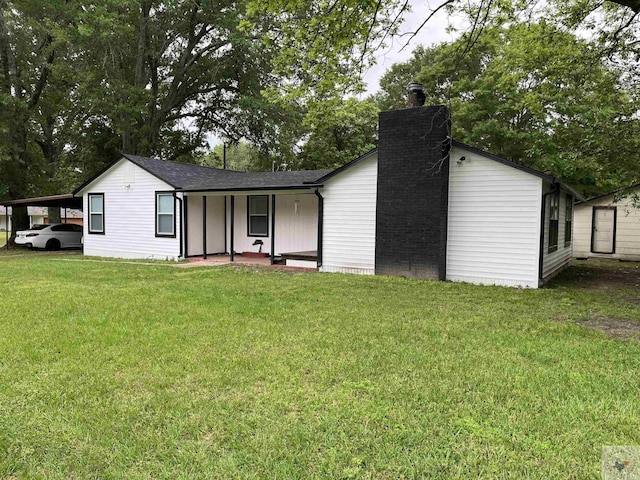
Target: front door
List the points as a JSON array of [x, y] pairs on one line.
[[603, 234]]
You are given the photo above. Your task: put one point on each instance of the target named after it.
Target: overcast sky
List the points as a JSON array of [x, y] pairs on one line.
[[435, 31]]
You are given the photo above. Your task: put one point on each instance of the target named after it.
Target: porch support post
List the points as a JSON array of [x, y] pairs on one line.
[[225, 225], [182, 223], [320, 224], [231, 234], [204, 227], [184, 216], [273, 229]]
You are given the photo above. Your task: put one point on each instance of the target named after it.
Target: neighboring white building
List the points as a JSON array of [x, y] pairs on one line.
[[39, 215], [407, 208], [608, 226]]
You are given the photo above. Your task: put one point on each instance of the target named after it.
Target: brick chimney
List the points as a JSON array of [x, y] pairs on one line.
[[413, 187]]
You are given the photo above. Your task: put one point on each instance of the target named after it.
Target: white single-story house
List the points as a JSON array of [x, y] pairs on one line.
[[420, 205], [36, 215], [608, 226]]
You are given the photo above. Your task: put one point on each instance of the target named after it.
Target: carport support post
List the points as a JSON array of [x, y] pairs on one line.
[[6, 226], [231, 233], [273, 229], [204, 227]]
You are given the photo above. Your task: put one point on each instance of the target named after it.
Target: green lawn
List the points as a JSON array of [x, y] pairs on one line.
[[114, 370]]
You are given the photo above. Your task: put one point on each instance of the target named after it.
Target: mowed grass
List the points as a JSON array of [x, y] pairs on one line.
[[114, 370]]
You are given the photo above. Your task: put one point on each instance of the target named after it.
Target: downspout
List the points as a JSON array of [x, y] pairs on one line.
[[181, 224], [320, 223], [543, 211]]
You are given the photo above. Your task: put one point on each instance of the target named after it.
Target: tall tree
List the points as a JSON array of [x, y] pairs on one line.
[[339, 132], [534, 94], [31, 49]]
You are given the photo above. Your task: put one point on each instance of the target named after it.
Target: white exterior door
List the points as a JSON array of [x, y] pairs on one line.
[[604, 230]]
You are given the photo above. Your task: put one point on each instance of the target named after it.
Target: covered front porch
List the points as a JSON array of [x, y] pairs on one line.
[[280, 227]]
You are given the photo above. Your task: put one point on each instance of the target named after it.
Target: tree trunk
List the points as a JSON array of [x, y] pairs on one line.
[[54, 215], [19, 221]]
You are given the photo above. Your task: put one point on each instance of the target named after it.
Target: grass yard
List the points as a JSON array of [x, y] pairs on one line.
[[131, 371]]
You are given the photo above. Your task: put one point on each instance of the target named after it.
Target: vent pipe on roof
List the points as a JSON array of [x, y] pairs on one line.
[[415, 95]]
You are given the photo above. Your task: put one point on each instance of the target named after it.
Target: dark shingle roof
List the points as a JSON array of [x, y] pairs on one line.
[[186, 176]]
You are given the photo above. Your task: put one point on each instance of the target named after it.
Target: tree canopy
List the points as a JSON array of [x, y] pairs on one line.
[[534, 94], [82, 81]]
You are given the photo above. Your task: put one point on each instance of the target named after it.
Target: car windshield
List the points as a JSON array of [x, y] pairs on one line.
[[38, 227]]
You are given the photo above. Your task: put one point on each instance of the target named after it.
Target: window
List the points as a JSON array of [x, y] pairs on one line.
[[258, 216], [554, 212], [568, 219], [96, 213], [165, 215], [66, 227]]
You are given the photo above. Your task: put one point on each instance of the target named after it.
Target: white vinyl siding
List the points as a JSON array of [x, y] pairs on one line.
[[349, 232], [296, 218], [582, 230], [129, 215], [493, 234], [215, 224], [296, 225], [627, 234]]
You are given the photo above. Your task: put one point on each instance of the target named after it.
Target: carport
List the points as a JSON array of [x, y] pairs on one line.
[[56, 201]]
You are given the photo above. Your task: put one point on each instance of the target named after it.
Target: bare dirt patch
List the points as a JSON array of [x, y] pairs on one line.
[[617, 281], [611, 276], [614, 327]]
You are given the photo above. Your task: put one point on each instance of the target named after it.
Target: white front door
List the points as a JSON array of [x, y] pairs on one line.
[[604, 230]]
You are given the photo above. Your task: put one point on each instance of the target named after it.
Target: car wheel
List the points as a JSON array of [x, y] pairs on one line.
[[53, 244]]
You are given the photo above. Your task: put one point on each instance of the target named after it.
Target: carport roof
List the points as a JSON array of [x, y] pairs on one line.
[[62, 201]]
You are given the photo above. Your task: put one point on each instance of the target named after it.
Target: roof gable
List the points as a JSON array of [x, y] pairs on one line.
[[346, 166], [523, 168], [614, 192]]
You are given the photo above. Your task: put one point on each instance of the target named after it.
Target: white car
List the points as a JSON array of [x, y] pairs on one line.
[[53, 236]]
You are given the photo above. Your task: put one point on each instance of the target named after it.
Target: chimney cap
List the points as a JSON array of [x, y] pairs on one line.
[[415, 95]]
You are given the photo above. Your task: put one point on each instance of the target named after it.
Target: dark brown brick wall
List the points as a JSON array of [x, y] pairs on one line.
[[413, 186]]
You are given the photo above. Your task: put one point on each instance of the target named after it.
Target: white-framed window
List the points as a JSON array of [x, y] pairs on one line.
[[554, 216], [165, 215], [258, 216], [96, 213]]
